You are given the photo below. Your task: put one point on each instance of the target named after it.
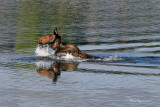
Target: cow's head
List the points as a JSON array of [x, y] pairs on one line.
[[48, 39]]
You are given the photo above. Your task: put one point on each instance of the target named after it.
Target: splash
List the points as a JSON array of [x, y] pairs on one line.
[[44, 50], [68, 56], [112, 58]]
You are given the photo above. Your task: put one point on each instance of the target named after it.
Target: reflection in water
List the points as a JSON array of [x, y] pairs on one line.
[[54, 69]]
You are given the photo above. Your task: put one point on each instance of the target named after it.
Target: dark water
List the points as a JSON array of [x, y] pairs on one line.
[[128, 29]]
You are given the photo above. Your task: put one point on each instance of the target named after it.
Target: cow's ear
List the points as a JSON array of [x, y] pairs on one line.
[[55, 32]]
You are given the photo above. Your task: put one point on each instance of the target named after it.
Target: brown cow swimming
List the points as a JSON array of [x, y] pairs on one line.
[[61, 48]]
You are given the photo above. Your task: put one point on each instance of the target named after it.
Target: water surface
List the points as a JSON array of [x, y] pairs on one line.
[[123, 29]]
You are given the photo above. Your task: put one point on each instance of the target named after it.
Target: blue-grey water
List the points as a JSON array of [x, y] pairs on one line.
[[115, 29]]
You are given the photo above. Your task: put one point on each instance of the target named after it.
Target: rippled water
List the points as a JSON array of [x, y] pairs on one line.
[[113, 29]]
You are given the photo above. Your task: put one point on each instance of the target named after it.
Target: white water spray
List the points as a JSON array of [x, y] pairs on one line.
[[112, 58], [68, 56], [44, 50]]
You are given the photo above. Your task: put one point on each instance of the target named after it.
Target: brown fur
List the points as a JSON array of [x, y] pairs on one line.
[[48, 39], [62, 48]]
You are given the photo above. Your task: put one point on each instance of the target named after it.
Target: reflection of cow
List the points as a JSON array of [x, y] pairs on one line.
[[48, 73], [61, 48], [54, 71]]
